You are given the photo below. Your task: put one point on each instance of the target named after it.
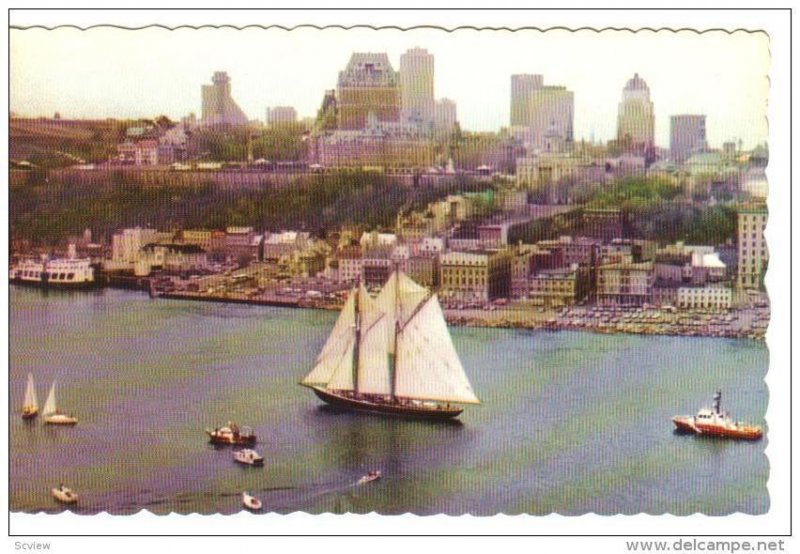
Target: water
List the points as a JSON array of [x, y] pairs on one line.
[[571, 422]]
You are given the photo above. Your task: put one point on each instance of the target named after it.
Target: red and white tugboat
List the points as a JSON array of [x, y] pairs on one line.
[[232, 434], [716, 423]]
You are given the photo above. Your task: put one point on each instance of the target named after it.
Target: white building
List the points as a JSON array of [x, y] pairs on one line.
[[708, 297], [126, 246]]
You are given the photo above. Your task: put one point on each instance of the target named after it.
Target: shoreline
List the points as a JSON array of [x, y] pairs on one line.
[[737, 323]]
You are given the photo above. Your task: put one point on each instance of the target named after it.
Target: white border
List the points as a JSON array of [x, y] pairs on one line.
[[774, 523]]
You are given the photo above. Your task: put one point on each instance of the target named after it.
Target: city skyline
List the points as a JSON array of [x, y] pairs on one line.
[[732, 95]]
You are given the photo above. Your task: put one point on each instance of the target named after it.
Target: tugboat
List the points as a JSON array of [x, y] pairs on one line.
[[232, 434], [249, 457], [716, 423]]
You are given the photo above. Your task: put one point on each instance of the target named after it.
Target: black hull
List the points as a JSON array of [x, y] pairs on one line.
[[388, 409], [86, 285]]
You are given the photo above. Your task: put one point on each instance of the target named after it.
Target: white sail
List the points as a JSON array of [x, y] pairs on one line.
[[398, 299], [428, 367], [373, 358], [31, 403], [342, 378], [336, 346], [50, 403]]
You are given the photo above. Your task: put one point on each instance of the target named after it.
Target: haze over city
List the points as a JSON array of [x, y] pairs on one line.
[[108, 73]]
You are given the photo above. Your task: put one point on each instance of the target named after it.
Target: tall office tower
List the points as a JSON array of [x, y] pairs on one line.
[[219, 108], [752, 247], [416, 86], [522, 87], [281, 114], [445, 115], [687, 134], [368, 84], [636, 118], [552, 114]]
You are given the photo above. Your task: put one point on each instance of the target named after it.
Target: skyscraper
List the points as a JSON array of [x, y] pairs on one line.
[[522, 87], [552, 114], [687, 135], [416, 86], [219, 108], [368, 84], [636, 119], [445, 115], [752, 247]]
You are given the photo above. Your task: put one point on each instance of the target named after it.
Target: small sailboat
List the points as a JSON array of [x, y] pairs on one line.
[[64, 495], [251, 502], [393, 355], [50, 412], [30, 406]]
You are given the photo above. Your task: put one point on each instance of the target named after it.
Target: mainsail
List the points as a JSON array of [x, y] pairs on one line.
[[50, 403], [31, 403], [396, 345]]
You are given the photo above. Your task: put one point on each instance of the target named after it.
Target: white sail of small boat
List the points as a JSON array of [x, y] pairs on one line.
[[50, 411], [30, 406], [392, 354], [50, 403]]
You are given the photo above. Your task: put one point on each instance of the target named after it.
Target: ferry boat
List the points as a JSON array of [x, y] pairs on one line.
[[716, 423], [68, 273]]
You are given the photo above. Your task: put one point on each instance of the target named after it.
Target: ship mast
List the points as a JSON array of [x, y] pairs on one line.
[[396, 330], [357, 344]]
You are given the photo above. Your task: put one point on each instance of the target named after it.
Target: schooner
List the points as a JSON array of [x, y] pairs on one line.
[[392, 354]]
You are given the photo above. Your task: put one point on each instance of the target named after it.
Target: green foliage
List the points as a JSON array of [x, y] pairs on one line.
[[635, 194]]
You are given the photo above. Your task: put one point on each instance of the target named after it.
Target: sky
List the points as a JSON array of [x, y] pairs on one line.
[[110, 72]]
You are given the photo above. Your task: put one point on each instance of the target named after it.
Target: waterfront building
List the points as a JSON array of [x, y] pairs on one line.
[[567, 250], [199, 237], [625, 284], [424, 270], [127, 245], [172, 257], [242, 243], [753, 255], [219, 107], [350, 264], [475, 276], [520, 272], [715, 297], [367, 85], [415, 226], [555, 288], [522, 87], [376, 265], [374, 239], [687, 135], [277, 245], [416, 88], [636, 117], [281, 115]]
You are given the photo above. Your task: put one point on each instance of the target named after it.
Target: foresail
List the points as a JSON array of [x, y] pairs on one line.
[[31, 401], [335, 347], [399, 299], [342, 378], [428, 367], [50, 403]]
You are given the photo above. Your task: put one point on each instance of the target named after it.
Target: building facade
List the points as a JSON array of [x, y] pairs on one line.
[[417, 100], [625, 284], [753, 255], [281, 115], [219, 107], [636, 118], [367, 85], [687, 135], [475, 276], [552, 111], [522, 87], [704, 297]]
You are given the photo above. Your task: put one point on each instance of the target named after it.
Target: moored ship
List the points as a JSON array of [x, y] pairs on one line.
[[69, 273], [392, 355], [716, 423]]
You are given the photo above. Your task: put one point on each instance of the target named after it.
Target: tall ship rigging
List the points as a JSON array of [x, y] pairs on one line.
[[392, 354]]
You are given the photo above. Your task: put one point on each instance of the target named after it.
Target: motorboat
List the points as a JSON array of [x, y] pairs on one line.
[[64, 495], [369, 477], [251, 502], [232, 434], [716, 423], [249, 457]]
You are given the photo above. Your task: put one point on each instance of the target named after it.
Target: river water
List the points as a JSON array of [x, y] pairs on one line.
[[571, 422]]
